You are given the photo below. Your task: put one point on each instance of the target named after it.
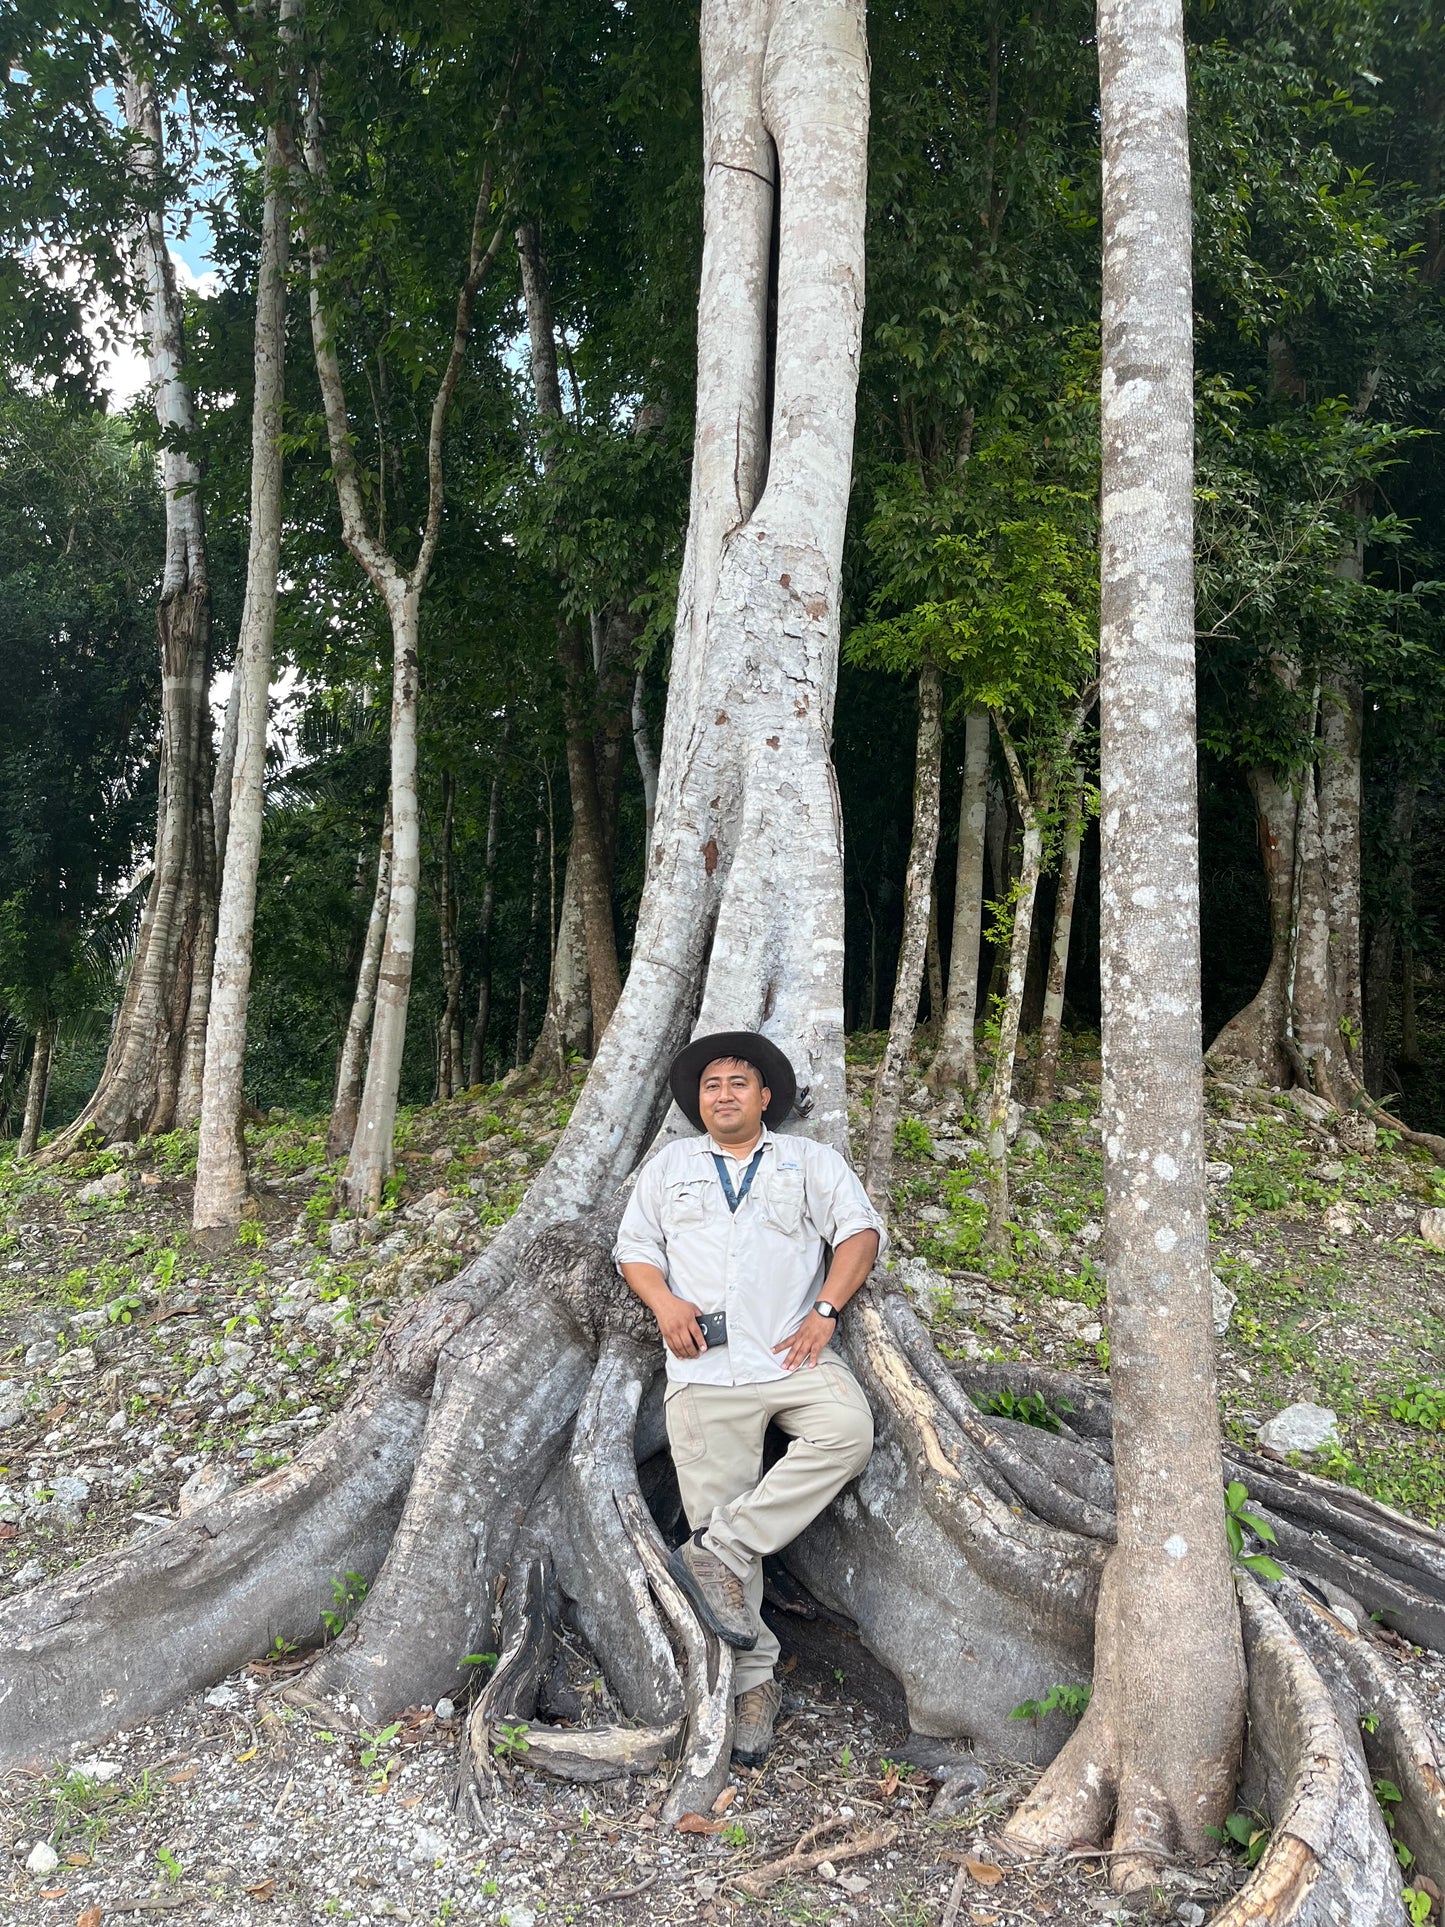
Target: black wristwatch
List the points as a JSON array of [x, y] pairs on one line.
[[825, 1310]]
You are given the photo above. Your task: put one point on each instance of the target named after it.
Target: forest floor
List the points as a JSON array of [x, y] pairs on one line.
[[142, 1374]]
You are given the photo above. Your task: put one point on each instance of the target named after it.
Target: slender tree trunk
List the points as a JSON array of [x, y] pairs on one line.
[[369, 1164], [1342, 712], [1409, 1015], [351, 1064], [449, 1027], [476, 1069], [1001, 1082], [1053, 1020], [1251, 1047], [529, 957], [221, 1178], [142, 1078], [935, 970], [1316, 1048], [226, 750], [917, 897], [1167, 1630], [646, 758], [372, 1148], [587, 851], [1384, 938], [37, 1085], [955, 1063]]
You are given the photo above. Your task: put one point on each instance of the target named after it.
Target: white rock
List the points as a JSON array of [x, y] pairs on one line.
[[1300, 1428], [1029, 1140], [336, 1311], [924, 1286], [1216, 1171], [1341, 1222], [30, 1574], [43, 1858], [1070, 1095], [1015, 1119], [242, 1402], [1089, 1233], [343, 1236], [66, 1503], [76, 1363], [1432, 1228], [112, 1185], [1092, 1332], [221, 1696], [1312, 1107], [43, 1352], [12, 1410], [99, 1772], [429, 1845], [445, 1709], [206, 1484], [1224, 1301], [932, 1214]]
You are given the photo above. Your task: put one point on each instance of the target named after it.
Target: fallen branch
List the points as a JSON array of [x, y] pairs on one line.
[[804, 1859]]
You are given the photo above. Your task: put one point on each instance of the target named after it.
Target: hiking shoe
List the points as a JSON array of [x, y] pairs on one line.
[[716, 1591], [753, 1715]]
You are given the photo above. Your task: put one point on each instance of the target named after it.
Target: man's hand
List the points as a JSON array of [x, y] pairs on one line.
[[681, 1333], [805, 1347]]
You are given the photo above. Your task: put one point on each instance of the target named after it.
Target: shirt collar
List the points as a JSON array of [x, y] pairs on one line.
[[714, 1149]]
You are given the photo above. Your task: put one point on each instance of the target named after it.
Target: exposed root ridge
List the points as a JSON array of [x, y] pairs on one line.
[[131, 1633], [1329, 1862]]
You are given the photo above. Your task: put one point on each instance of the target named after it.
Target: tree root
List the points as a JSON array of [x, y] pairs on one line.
[[128, 1635], [1329, 1860]]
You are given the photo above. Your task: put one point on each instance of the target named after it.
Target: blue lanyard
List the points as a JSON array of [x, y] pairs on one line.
[[735, 1199]]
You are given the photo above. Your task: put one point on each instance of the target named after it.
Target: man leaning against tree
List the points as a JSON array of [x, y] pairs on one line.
[[740, 1221]]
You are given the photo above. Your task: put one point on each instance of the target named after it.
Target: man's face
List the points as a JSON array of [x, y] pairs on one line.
[[732, 1097]]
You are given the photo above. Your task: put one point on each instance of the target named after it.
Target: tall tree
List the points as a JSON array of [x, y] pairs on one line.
[[1167, 1630], [152, 1074], [221, 1181]]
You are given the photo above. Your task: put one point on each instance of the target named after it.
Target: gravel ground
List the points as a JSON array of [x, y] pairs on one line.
[[142, 1373]]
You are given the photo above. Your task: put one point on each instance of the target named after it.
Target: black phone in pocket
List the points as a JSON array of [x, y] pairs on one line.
[[714, 1327]]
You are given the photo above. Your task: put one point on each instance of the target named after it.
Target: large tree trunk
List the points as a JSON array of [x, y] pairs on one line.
[[351, 1065], [149, 1064], [588, 869], [1342, 712], [917, 902], [970, 1551], [1051, 1029], [955, 1063], [221, 1179], [36, 1088], [476, 1068], [1251, 1046], [1168, 1630]]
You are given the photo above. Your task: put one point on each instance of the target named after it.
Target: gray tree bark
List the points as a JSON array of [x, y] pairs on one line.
[[36, 1087], [917, 903], [222, 1186], [1051, 1028], [351, 1064], [955, 1065], [476, 1067], [1167, 1629]]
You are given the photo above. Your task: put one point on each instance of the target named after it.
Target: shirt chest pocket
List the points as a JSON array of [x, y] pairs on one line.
[[684, 1204], [784, 1202]]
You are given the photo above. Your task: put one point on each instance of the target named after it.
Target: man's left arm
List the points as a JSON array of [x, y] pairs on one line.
[[853, 1259]]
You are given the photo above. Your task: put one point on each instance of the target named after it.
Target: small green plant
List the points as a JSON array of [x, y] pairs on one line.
[[1029, 1408], [1238, 1520], [911, 1139], [347, 1593], [373, 1745], [169, 1864], [510, 1741], [490, 1890], [1417, 1905], [1070, 1700], [845, 1759], [1389, 1796], [1422, 1405], [251, 1231], [164, 1269], [1265, 1190], [1247, 1832], [735, 1835]]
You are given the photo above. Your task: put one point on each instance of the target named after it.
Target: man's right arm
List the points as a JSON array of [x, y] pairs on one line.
[[641, 1254], [676, 1318]]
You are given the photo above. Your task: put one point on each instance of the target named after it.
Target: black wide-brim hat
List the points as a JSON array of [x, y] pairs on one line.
[[693, 1059]]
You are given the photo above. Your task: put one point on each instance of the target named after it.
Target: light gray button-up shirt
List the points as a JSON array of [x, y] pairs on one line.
[[763, 1265]]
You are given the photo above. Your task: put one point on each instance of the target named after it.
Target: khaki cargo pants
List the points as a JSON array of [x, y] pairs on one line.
[[716, 1435]]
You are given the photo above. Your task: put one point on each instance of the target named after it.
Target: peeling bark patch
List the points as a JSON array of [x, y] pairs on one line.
[[709, 854], [773, 742], [721, 718]]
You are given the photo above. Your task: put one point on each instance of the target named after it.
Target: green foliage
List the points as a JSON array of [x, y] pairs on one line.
[[911, 1138], [1421, 1404], [1029, 1408], [1069, 1700], [347, 1594], [1238, 1520], [509, 1739], [1418, 1905], [1246, 1831]]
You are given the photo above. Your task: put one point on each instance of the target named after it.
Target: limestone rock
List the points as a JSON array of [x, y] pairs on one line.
[[1432, 1228], [925, 1286], [206, 1484], [112, 1185], [1224, 1301], [43, 1858], [1302, 1427]]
